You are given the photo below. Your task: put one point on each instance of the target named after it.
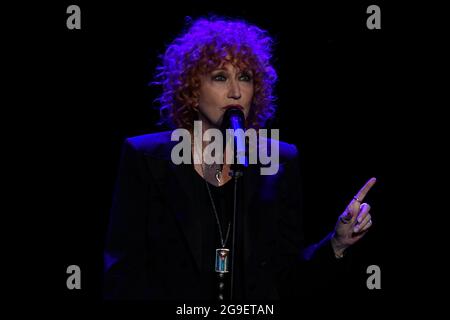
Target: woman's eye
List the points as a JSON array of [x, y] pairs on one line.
[[219, 77], [245, 77]]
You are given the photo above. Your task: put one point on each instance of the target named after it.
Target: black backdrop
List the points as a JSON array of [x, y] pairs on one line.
[[344, 96]]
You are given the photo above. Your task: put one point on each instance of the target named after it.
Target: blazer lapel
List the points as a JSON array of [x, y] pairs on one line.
[[174, 181], [185, 214]]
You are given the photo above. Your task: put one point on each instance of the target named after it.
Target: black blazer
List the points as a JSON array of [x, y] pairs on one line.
[[154, 243]]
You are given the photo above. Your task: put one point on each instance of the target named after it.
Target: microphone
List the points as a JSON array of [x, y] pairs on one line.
[[234, 119]]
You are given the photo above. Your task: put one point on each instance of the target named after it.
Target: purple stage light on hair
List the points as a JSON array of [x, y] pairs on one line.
[[204, 46]]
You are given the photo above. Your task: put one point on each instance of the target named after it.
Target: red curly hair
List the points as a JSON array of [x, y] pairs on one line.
[[204, 47]]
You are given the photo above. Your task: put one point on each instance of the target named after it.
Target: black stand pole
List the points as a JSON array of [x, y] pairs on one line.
[[236, 172]]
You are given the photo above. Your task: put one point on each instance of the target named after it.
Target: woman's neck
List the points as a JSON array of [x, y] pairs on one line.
[[209, 172]]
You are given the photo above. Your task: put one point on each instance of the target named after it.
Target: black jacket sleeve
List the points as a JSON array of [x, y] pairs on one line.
[[125, 254], [303, 270]]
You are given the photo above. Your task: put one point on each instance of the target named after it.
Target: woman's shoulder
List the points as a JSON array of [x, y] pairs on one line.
[[156, 144], [287, 151]]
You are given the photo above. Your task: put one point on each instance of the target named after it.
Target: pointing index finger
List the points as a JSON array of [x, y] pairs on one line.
[[364, 190]]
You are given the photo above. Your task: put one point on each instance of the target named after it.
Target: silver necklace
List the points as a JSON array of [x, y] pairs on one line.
[[222, 254], [217, 174]]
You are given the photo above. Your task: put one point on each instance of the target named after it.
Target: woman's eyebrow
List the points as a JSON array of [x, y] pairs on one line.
[[219, 69], [239, 71]]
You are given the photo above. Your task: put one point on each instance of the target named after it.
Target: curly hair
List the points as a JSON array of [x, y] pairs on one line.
[[203, 47]]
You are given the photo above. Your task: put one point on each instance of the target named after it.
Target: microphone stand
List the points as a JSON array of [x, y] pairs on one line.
[[235, 172]]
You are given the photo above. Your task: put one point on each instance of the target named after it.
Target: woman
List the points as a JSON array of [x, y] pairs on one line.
[[172, 225]]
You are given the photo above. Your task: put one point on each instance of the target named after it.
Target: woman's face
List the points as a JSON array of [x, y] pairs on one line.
[[221, 88]]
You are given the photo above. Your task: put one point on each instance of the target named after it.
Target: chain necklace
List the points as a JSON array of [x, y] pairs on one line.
[[222, 253]]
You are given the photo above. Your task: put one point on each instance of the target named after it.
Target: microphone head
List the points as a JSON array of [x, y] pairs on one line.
[[233, 118]]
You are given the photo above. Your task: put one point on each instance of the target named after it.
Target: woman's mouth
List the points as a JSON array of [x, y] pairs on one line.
[[238, 106]]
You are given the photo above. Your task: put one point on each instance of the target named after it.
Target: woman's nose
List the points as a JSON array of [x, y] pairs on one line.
[[234, 91]]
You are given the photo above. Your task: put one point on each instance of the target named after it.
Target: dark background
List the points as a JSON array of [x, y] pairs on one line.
[[346, 98]]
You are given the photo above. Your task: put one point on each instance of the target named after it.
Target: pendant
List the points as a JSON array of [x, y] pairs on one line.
[[218, 175], [222, 260]]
